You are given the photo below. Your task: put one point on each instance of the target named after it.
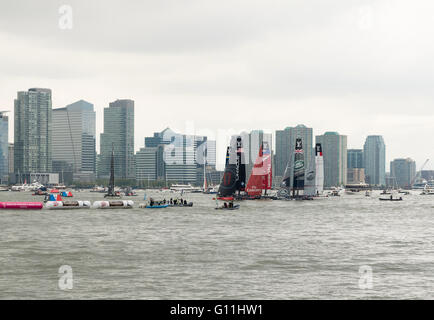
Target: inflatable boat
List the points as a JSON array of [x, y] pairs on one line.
[[21, 205], [65, 205], [113, 204], [155, 206]]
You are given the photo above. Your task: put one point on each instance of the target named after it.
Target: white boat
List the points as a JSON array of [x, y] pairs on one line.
[[184, 188], [427, 190], [67, 205], [113, 204]]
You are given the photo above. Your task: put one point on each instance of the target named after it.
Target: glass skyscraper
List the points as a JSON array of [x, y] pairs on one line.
[[374, 159], [119, 133], [32, 131], [402, 171], [4, 148], [334, 148], [355, 158], [74, 138]]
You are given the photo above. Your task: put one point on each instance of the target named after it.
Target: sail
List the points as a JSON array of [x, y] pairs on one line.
[[298, 165], [241, 166], [309, 180], [319, 163], [228, 183], [260, 179]]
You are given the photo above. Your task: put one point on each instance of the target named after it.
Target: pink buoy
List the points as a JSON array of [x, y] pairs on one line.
[[21, 205]]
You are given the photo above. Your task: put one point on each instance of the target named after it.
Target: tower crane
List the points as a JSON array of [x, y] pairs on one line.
[[418, 173]]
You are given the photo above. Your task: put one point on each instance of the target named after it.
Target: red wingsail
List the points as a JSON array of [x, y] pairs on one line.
[[260, 179]]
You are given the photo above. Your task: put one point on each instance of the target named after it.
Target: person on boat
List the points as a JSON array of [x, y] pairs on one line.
[[171, 201], [164, 201], [174, 202], [391, 197], [225, 205], [185, 202], [151, 202], [231, 204]]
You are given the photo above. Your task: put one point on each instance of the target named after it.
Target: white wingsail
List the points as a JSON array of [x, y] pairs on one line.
[[319, 176]]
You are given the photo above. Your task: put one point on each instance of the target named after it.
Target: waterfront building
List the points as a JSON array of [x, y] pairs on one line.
[[4, 148], [374, 160], [74, 139], [119, 133], [402, 171], [33, 131], [354, 158]]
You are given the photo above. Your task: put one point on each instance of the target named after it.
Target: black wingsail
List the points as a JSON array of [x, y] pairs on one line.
[[298, 165], [111, 187], [228, 184]]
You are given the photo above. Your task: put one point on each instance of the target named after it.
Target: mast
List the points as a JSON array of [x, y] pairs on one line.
[[111, 189], [298, 167]]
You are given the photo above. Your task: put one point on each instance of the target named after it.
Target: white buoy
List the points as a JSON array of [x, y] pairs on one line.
[[113, 204], [67, 205]]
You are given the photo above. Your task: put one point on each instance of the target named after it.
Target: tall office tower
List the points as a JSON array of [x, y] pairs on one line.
[[74, 139], [32, 131], [354, 158], [285, 146], [119, 133], [374, 160], [146, 164], [251, 144], [4, 148], [334, 148], [402, 172], [11, 158], [281, 157]]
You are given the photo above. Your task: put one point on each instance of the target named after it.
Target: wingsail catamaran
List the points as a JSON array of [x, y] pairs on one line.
[[234, 176], [307, 181]]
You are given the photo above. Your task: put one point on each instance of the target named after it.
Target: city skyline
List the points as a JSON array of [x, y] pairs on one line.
[[221, 143], [263, 66]]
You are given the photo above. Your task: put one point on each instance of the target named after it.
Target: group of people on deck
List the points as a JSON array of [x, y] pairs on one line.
[[231, 205], [175, 202]]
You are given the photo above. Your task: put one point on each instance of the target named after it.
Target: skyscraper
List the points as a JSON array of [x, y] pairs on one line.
[[74, 139], [402, 171], [355, 158], [11, 158], [374, 159], [285, 146], [119, 132], [32, 131], [334, 147], [4, 147], [281, 157]]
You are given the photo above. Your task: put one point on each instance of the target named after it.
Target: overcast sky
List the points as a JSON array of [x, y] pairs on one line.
[[358, 67]]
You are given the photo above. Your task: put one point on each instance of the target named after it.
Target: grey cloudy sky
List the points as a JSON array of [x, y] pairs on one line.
[[358, 67]]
